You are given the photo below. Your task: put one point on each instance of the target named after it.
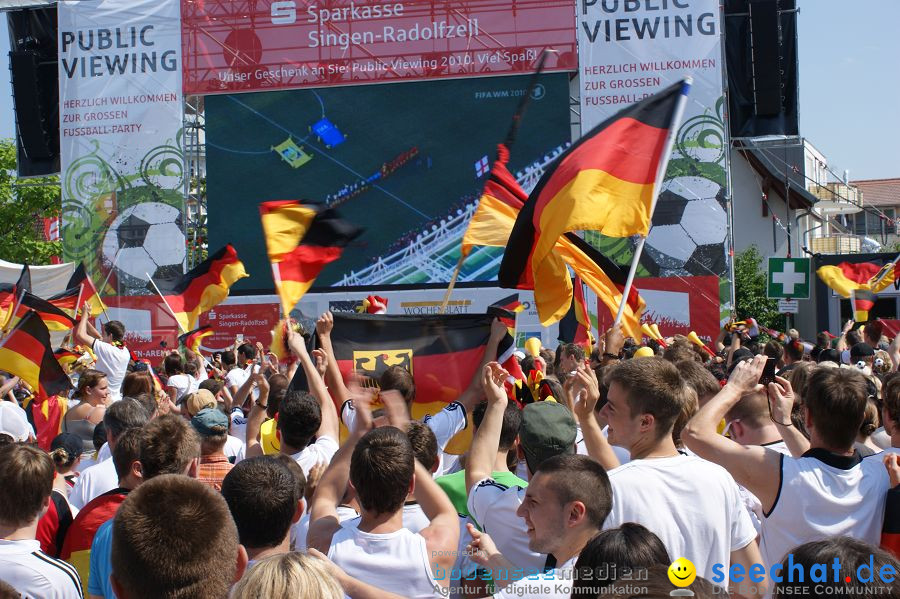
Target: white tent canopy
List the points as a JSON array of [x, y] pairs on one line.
[[45, 280]]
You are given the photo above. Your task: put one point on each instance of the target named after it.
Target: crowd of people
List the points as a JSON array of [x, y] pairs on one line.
[[768, 468]]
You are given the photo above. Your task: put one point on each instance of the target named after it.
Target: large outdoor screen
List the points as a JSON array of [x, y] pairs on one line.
[[407, 161]]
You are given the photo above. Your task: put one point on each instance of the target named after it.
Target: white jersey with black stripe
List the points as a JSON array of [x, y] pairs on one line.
[[33, 573]]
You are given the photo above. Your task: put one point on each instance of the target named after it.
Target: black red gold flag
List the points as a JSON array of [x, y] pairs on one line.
[[205, 286], [26, 353], [606, 182]]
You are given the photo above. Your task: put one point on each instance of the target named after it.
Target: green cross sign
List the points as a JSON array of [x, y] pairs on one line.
[[788, 278]]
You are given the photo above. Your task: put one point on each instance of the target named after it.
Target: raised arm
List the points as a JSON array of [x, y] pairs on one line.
[[756, 468], [442, 534], [323, 519], [472, 395], [257, 416], [333, 377], [781, 403], [487, 439], [82, 335], [586, 394], [329, 426]]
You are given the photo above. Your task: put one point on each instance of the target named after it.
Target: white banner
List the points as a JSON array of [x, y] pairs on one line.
[[630, 49], [121, 139]]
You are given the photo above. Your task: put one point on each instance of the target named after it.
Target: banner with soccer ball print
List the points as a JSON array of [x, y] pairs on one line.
[[631, 50], [122, 172]]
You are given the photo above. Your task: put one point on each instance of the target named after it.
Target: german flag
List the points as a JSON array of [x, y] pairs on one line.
[[53, 317], [441, 351], [498, 207], [26, 353], [192, 339], [301, 238], [7, 301], [575, 327], [66, 357], [606, 182], [89, 293], [67, 301], [506, 310], [76, 548], [46, 415], [862, 300], [205, 286]]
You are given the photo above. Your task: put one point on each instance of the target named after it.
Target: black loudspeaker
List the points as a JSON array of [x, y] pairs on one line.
[[31, 109], [761, 60], [35, 83], [767, 69]]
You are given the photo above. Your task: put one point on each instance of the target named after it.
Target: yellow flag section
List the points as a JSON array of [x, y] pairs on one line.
[[301, 238]]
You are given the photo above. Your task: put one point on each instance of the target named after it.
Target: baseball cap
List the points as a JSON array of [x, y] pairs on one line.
[[210, 421], [13, 422], [70, 442], [196, 401], [861, 350], [547, 430]]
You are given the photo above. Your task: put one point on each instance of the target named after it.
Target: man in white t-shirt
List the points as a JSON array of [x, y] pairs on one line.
[[830, 490], [101, 477], [566, 503], [380, 464], [692, 505], [748, 422], [26, 481], [547, 430], [238, 375], [112, 355], [302, 416]]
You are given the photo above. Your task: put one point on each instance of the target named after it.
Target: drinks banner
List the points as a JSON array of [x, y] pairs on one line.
[[277, 44], [123, 175]]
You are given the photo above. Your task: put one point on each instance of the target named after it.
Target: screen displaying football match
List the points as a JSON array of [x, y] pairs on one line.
[[406, 161]]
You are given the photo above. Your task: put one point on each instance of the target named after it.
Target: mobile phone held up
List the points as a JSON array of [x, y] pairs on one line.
[[768, 373]]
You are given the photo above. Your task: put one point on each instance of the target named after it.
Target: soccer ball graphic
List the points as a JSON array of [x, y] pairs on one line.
[[144, 239], [689, 229]]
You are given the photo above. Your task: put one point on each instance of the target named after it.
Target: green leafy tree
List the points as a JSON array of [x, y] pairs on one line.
[[24, 203], [750, 290]]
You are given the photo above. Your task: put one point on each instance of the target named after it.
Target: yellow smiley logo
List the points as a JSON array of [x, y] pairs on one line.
[[682, 572]]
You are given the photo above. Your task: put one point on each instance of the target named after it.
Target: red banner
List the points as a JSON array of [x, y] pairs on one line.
[[678, 305], [233, 46], [253, 321], [151, 332]]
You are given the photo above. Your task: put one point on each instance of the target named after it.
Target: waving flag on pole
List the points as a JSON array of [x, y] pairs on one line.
[[606, 182], [193, 339], [89, 293], [205, 286], [26, 353], [301, 238]]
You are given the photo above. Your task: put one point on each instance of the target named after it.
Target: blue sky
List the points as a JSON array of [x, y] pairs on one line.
[[849, 84]]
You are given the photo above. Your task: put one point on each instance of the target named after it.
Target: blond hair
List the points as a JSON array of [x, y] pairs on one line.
[[288, 575]]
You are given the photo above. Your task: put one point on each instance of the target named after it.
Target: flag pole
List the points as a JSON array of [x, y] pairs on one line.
[[163, 298], [68, 338], [884, 271], [508, 142], [105, 281], [172, 312], [14, 311], [657, 185], [459, 263]]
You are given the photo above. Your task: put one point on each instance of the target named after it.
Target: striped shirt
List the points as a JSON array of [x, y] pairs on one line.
[[33, 573]]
